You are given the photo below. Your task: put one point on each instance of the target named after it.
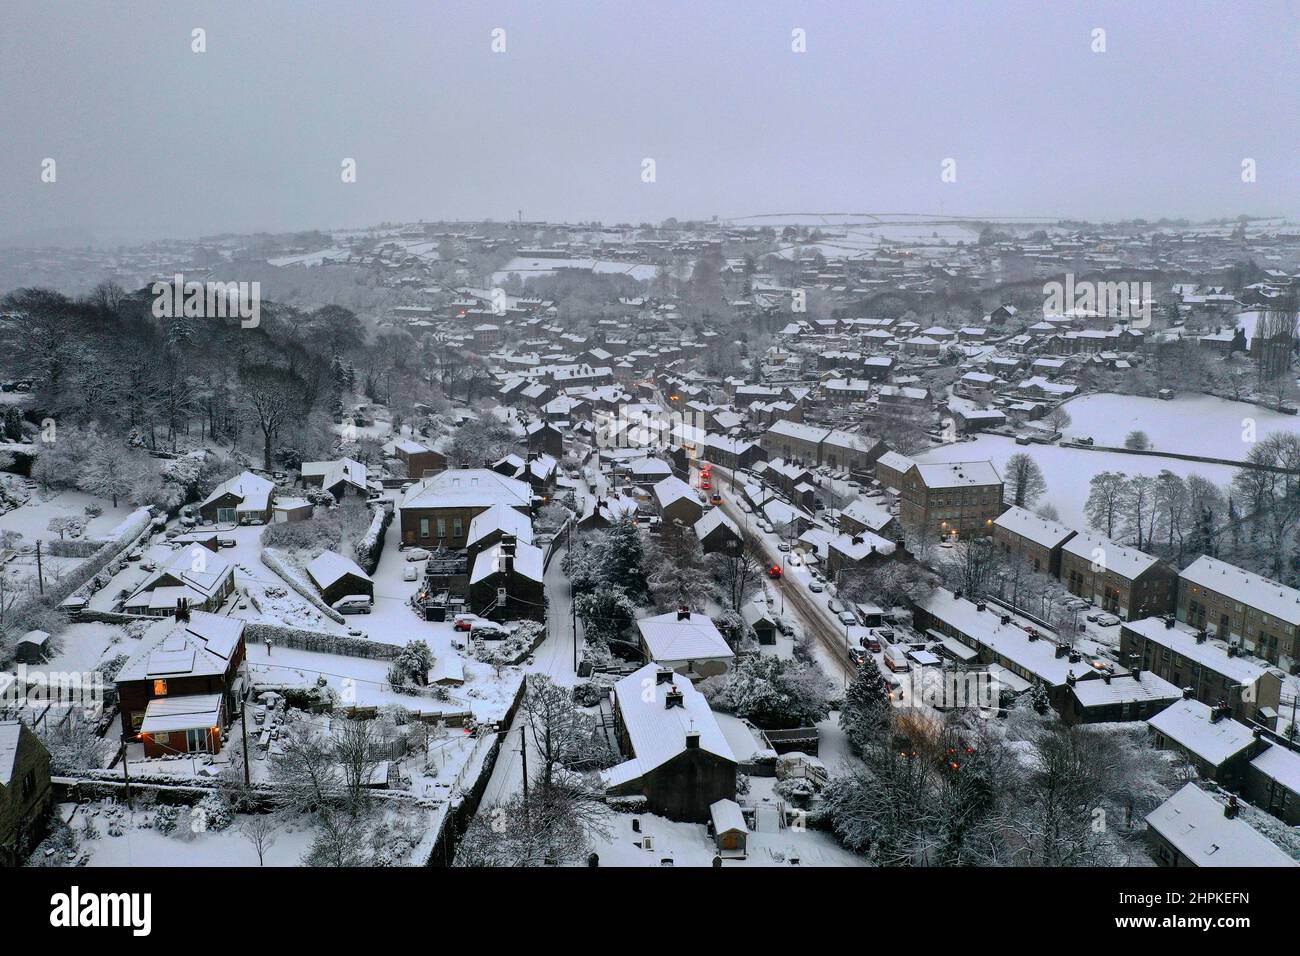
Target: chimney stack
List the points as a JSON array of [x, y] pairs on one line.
[[692, 739], [663, 675], [182, 609], [673, 698], [683, 613], [1232, 808]]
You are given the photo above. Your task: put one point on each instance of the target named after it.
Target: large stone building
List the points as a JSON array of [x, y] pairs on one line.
[[437, 511], [952, 499]]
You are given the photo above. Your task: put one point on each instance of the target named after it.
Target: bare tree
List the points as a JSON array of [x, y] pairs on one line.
[[357, 756], [275, 396], [1105, 494], [306, 775], [259, 830]]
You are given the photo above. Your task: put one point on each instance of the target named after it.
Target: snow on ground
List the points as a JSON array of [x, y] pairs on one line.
[[1190, 424], [144, 846], [1068, 471], [32, 519], [688, 844]]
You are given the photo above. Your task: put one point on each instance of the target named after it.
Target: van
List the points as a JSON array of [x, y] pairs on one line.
[[896, 659], [353, 604]]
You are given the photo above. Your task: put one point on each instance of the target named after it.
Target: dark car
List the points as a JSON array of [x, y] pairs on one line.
[[860, 657]]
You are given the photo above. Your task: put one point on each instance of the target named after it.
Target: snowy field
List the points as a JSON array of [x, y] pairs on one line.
[[1067, 471], [1189, 425]]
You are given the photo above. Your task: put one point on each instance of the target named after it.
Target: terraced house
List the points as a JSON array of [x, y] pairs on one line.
[[1234, 604], [1123, 581]]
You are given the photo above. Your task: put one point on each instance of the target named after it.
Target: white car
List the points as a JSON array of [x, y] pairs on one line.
[[1107, 620], [354, 604], [417, 554], [409, 573]]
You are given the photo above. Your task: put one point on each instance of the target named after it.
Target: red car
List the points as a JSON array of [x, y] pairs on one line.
[[705, 485], [774, 572]]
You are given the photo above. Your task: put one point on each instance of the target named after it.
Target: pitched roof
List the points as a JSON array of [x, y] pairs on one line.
[[500, 518], [695, 638], [329, 566], [254, 491], [467, 487], [657, 732], [201, 646], [1028, 525], [1190, 724], [1194, 823], [1254, 590]]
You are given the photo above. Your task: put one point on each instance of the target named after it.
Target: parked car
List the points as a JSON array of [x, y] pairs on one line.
[[354, 604], [847, 618], [815, 587], [859, 656], [409, 573], [872, 643], [896, 659], [1107, 620], [783, 547], [226, 542], [489, 630], [834, 605], [417, 554], [784, 626], [463, 622], [136, 554]]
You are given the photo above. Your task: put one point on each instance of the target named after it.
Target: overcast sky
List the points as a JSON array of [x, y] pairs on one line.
[[152, 139]]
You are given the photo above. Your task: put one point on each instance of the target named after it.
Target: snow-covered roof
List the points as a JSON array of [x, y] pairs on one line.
[[958, 474], [658, 732], [727, 817], [1126, 689], [189, 712], [500, 518], [1253, 590], [528, 562], [332, 472], [1212, 654], [671, 489], [1028, 525], [789, 429], [201, 646], [1195, 824], [865, 513], [254, 491], [693, 638], [195, 567], [329, 566], [711, 521], [468, 488], [1126, 562], [1280, 764], [1190, 724]]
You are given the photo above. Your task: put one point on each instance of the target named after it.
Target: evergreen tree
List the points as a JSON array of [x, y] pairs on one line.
[[865, 715]]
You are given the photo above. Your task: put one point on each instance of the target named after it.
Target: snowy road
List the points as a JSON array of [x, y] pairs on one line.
[[555, 658]]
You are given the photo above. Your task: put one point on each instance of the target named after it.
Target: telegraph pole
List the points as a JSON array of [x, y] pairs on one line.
[[243, 731], [40, 575], [126, 773], [523, 759]]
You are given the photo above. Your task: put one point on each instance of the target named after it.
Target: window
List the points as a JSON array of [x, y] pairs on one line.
[[162, 738], [424, 527], [457, 527], [442, 527], [160, 688]]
